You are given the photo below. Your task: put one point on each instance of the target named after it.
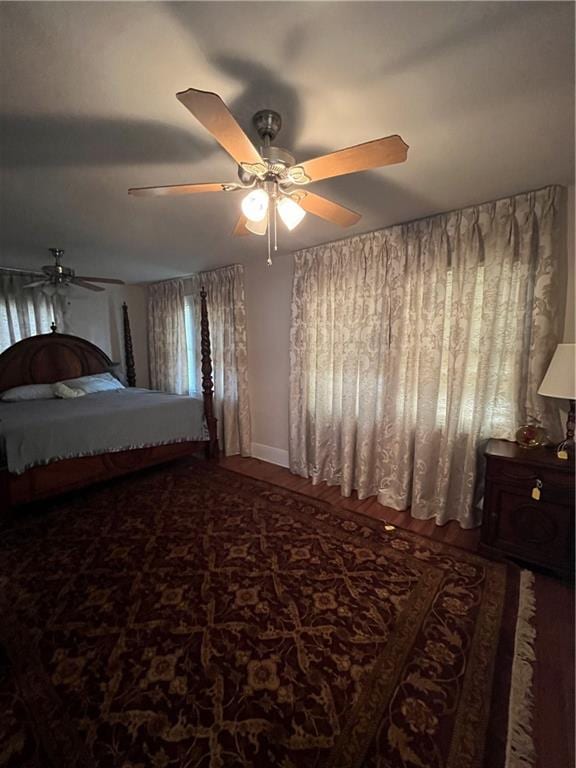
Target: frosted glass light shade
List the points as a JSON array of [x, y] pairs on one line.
[[255, 205], [257, 227], [55, 290], [560, 378], [290, 212]]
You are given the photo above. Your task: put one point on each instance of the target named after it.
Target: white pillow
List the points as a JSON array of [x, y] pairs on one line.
[[28, 392], [98, 382], [65, 392]]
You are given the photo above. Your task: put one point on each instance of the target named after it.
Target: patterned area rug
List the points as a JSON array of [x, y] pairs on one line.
[[192, 617]]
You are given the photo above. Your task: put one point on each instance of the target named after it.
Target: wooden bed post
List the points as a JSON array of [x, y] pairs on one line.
[[207, 382], [128, 351]]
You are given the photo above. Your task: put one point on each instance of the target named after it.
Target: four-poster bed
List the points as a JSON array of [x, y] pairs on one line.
[[55, 357]]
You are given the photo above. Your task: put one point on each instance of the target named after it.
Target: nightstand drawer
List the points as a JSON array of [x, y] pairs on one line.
[[537, 531], [525, 475]]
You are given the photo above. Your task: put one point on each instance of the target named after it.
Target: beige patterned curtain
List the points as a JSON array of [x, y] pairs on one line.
[[227, 314], [26, 311], [167, 350], [412, 345]]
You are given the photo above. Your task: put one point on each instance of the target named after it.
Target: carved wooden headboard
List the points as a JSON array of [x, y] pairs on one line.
[[50, 357]]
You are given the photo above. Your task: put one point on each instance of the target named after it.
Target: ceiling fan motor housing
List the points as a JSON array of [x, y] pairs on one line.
[[277, 156], [268, 123]]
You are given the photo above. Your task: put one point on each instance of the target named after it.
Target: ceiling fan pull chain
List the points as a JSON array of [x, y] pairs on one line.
[[275, 229], [269, 260]]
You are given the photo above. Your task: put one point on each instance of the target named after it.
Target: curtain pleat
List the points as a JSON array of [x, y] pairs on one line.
[[26, 311], [412, 345], [227, 315], [167, 349]]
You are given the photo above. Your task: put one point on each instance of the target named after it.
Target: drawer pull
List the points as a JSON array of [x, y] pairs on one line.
[[536, 490]]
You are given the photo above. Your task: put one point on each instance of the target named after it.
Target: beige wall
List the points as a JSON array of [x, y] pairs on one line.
[[98, 318], [570, 317], [268, 291]]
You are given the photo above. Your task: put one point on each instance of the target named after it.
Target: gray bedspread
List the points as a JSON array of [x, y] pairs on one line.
[[39, 431]]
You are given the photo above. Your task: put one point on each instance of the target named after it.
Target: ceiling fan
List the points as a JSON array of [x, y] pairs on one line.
[[276, 184], [59, 276]]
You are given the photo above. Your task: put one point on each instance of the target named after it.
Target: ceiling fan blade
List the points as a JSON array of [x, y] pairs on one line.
[[19, 271], [182, 189], [209, 109], [35, 284], [78, 281], [326, 209], [100, 280], [362, 157], [240, 228]]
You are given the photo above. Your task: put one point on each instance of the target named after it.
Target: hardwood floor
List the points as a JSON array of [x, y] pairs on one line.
[[554, 669], [451, 533]]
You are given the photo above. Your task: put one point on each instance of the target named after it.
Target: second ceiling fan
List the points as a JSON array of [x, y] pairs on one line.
[[275, 183]]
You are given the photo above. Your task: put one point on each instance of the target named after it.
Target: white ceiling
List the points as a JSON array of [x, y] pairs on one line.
[[482, 92]]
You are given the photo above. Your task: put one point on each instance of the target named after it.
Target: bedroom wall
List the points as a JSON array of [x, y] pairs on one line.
[[98, 318], [268, 292], [570, 316]]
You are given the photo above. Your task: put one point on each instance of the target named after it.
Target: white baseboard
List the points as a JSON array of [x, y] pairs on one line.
[[269, 453]]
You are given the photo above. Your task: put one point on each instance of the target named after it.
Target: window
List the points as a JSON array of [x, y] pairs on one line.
[[191, 325], [22, 312]]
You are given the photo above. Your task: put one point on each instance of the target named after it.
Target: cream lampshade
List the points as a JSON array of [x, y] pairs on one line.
[[560, 381]]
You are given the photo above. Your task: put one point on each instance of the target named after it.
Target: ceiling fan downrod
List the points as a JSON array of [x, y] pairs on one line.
[[61, 273], [268, 124]]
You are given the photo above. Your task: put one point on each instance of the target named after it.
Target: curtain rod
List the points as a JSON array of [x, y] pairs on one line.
[[431, 216], [190, 274], [371, 231]]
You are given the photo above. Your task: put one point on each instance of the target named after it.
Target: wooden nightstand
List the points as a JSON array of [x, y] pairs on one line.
[[517, 526]]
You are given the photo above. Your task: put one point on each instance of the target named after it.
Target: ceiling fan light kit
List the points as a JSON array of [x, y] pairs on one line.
[[257, 227], [271, 176], [290, 212], [255, 205]]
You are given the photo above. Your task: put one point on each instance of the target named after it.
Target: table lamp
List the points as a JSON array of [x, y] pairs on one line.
[[560, 381]]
